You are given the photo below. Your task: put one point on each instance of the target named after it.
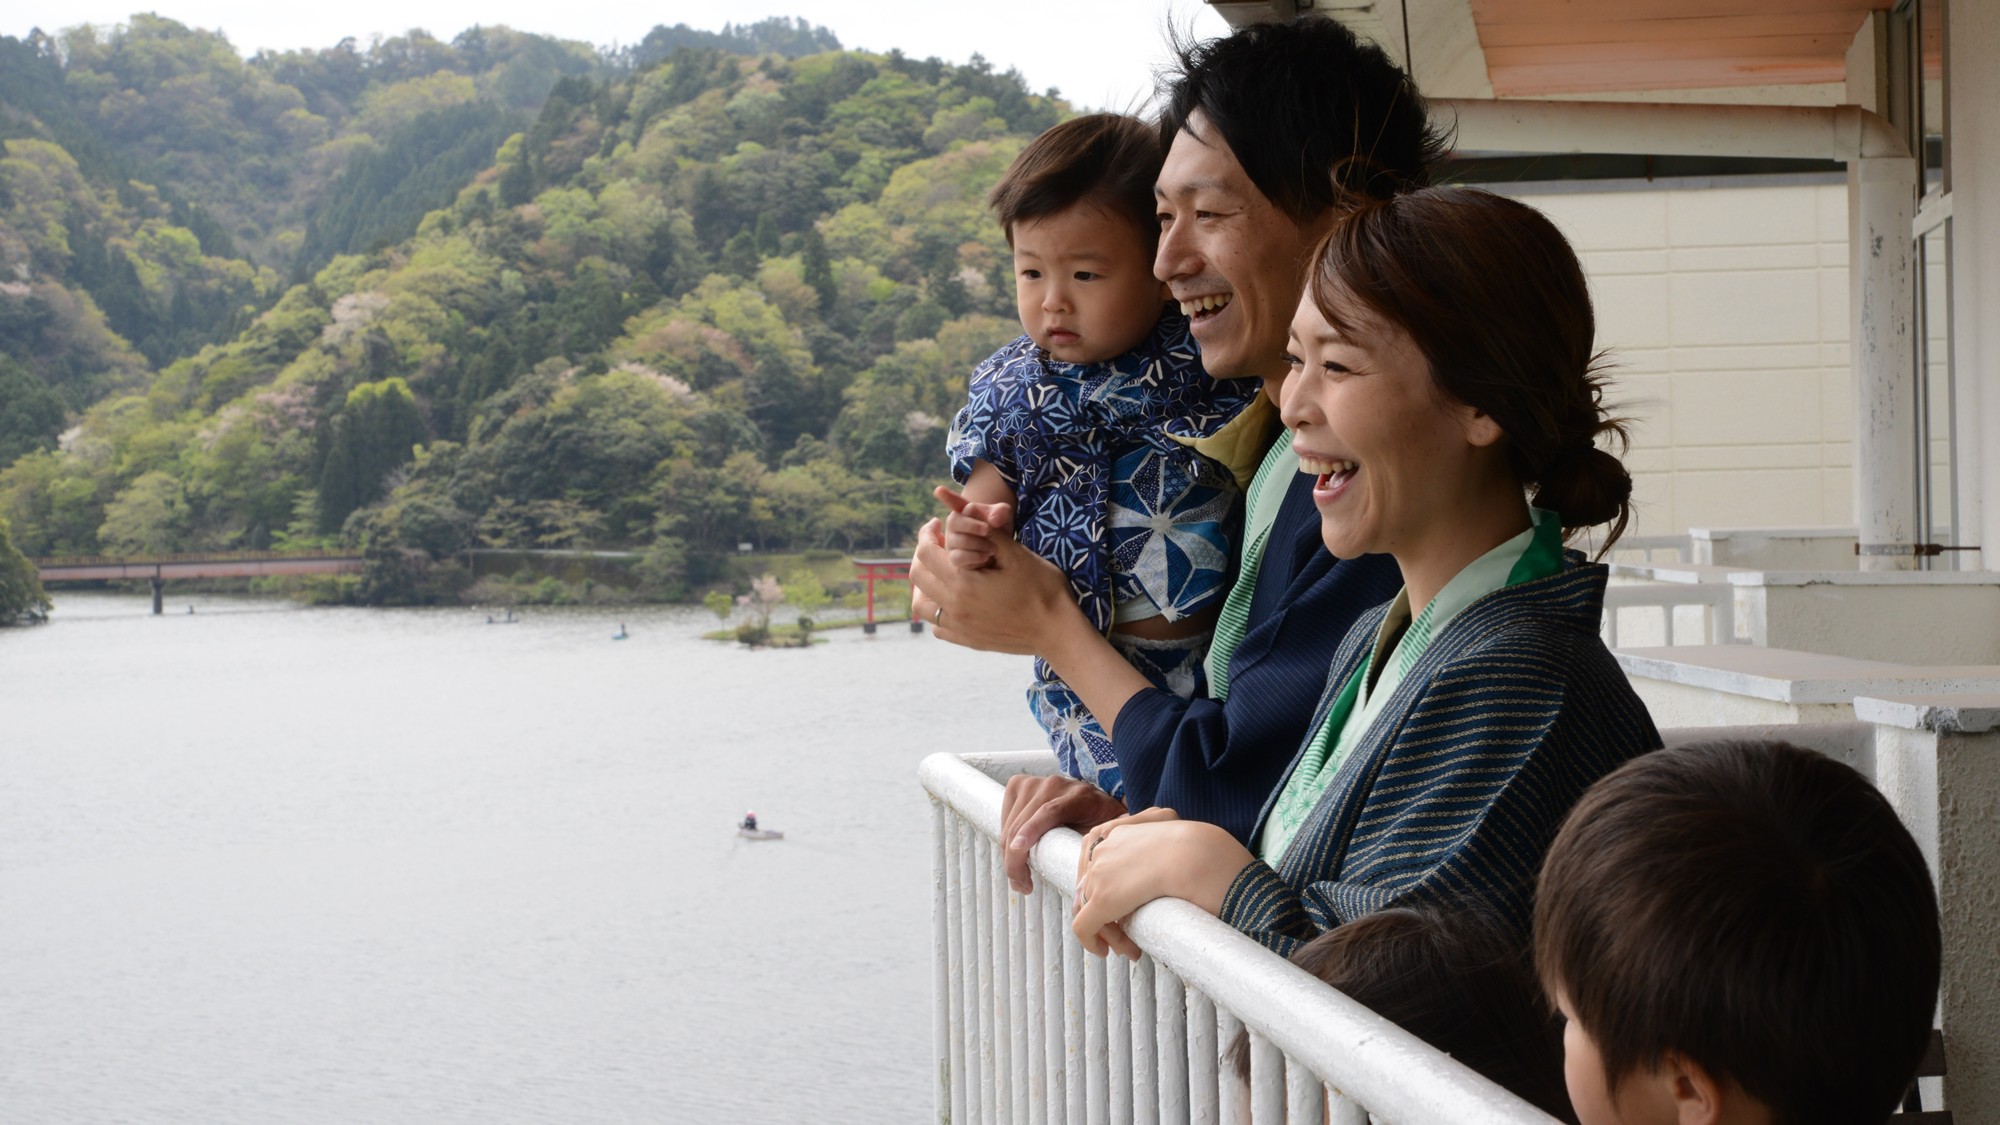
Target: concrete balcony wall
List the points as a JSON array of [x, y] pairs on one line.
[[1719, 685], [1774, 548], [1908, 617], [1904, 617]]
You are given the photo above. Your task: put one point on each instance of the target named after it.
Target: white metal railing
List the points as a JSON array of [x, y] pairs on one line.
[[1031, 1028], [1716, 601], [1647, 548]]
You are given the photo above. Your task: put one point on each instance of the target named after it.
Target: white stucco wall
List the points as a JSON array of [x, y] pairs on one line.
[[1726, 309]]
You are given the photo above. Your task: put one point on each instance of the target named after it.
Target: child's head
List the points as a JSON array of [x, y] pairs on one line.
[[1457, 980], [1077, 206], [1738, 924]]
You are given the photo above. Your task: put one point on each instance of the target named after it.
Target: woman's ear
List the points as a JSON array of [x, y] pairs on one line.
[[1479, 427]]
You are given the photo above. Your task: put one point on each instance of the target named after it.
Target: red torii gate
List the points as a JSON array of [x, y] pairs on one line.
[[871, 570]]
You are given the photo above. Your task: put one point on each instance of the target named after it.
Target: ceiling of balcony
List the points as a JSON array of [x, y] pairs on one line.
[[1540, 47]]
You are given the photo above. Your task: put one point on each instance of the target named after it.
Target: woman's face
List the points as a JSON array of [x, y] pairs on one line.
[[1397, 462]]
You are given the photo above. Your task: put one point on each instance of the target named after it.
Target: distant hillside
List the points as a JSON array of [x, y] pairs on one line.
[[541, 299]]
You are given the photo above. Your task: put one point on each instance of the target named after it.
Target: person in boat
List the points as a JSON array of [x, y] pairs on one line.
[[1443, 368], [1258, 128], [750, 822]]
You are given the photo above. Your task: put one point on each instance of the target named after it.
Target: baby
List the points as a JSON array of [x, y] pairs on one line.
[[1087, 424]]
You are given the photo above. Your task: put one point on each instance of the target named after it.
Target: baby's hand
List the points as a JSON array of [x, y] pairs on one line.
[[971, 528]]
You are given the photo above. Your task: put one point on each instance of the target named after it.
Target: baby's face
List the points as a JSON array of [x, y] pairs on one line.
[[1083, 283]]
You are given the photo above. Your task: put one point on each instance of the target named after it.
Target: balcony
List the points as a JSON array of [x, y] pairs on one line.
[[1028, 1027]]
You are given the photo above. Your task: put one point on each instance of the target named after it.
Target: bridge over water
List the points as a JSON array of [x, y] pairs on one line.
[[158, 569]]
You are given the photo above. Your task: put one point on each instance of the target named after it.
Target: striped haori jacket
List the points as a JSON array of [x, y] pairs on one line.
[[1456, 790]]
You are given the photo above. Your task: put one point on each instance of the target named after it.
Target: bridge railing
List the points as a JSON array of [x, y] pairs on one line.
[[1031, 1028], [44, 563]]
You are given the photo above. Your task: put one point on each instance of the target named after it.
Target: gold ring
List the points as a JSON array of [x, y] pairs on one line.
[[938, 616]]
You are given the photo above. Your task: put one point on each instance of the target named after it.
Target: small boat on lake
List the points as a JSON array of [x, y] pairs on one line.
[[759, 833]]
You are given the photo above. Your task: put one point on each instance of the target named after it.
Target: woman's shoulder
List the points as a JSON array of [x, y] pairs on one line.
[[1544, 632]]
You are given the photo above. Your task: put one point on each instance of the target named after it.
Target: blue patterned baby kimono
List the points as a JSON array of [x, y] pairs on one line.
[[1141, 523]]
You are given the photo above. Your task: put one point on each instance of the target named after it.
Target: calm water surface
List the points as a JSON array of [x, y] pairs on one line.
[[271, 864]]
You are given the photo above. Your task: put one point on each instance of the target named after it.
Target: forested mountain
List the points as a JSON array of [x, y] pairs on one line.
[[497, 292]]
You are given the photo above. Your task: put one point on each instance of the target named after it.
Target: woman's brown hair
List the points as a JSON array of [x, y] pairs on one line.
[[1492, 294]]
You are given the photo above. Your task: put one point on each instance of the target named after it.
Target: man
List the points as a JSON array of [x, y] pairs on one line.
[[1268, 130]]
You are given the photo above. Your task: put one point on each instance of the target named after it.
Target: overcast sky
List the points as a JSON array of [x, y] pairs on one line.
[[1100, 53]]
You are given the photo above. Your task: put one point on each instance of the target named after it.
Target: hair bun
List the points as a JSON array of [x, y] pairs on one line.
[[1586, 487]]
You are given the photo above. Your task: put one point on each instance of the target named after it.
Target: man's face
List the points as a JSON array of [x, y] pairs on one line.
[[1230, 256]]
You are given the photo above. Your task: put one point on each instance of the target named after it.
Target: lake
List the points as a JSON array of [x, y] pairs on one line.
[[268, 863]]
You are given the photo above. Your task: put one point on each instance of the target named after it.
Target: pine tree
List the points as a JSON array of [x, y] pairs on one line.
[[819, 270]]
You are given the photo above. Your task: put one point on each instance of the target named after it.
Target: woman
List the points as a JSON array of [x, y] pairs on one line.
[[1442, 365]]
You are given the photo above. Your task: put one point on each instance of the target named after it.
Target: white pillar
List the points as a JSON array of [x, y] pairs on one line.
[[1975, 273], [1884, 362], [1937, 759]]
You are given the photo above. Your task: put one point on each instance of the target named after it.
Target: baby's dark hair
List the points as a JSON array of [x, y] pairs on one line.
[[1755, 907], [1107, 159], [1455, 978]]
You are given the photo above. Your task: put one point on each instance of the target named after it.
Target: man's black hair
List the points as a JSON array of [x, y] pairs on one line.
[[1302, 105]]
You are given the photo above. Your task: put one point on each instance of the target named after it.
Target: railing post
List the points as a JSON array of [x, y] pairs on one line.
[[1096, 1057], [1145, 1044], [1170, 1010], [944, 1029], [1231, 1093], [1077, 1004], [1016, 1106], [1118, 1035], [1204, 1108], [1305, 1097], [1033, 1101], [1057, 1000], [1267, 1082], [965, 1016]]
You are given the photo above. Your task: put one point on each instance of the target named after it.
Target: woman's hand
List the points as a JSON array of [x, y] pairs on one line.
[[1129, 862]]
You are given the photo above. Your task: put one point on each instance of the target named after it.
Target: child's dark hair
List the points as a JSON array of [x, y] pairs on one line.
[[1492, 294], [1107, 159], [1311, 111], [1458, 980], [1756, 908]]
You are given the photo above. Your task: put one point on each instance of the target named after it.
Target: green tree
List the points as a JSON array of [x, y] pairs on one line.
[[804, 593], [662, 570], [22, 598], [819, 270], [376, 430], [31, 415], [149, 517]]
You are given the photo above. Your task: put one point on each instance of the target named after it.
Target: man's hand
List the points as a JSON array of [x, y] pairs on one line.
[[1033, 805]]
